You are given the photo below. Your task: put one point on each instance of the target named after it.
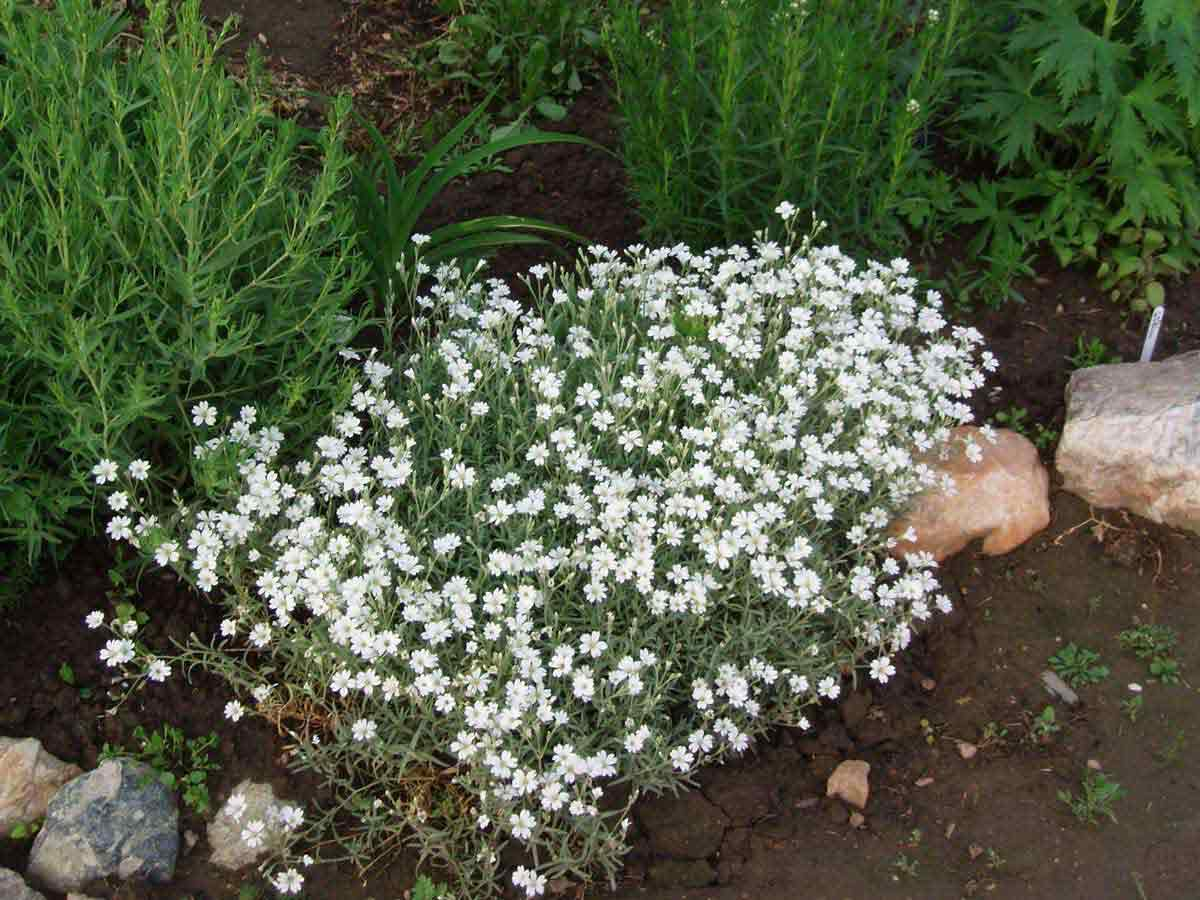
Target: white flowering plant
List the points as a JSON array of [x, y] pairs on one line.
[[550, 559]]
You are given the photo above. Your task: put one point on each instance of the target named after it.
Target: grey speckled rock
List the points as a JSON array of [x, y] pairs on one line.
[[116, 820], [13, 887]]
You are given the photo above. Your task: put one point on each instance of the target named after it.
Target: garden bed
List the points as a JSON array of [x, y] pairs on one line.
[[938, 824]]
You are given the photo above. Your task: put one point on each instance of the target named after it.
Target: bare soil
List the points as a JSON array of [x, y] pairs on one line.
[[938, 824]]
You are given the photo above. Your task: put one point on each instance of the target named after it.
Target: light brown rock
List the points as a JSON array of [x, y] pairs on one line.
[[229, 851], [29, 777], [1003, 498], [1132, 439], [849, 784]]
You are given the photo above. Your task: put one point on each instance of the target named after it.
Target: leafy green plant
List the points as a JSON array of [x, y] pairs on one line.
[[1043, 727], [1078, 666], [182, 763], [1091, 353], [1096, 798], [386, 221], [1131, 707], [1013, 417], [730, 108], [25, 831], [1147, 641], [159, 247], [425, 889], [534, 53], [1090, 109]]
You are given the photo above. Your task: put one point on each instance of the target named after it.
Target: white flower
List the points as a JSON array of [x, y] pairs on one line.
[[158, 670], [204, 413], [420, 240], [1135, 687], [119, 528], [117, 652], [364, 730], [234, 710], [288, 882], [882, 669], [105, 471], [166, 553], [252, 834], [139, 470], [94, 619], [235, 807], [785, 211], [912, 107]]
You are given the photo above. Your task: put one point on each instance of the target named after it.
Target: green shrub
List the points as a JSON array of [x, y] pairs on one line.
[[730, 107], [534, 52], [551, 559], [1091, 110], [157, 248]]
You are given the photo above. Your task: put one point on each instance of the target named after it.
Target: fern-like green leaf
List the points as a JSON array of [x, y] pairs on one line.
[[1069, 52], [1015, 113], [1175, 24]]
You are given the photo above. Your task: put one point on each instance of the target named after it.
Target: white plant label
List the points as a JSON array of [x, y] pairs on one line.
[[1152, 334]]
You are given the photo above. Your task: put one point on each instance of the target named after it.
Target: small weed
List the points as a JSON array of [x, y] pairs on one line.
[[1043, 726], [25, 831], [904, 866], [995, 861], [1078, 666], [1165, 669], [1091, 353], [993, 733], [1094, 604], [67, 676], [182, 763], [1096, 800], [1172, 751], [425, 889], [1044, 438], [1132, 707], [1016, 418], [1154, 643], [1148, 641], [249, 892]]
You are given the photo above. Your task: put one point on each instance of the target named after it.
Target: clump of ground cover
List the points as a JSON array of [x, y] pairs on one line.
[[456, 605]]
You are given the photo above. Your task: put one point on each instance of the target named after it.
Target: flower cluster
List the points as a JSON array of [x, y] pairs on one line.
[[613, 538]]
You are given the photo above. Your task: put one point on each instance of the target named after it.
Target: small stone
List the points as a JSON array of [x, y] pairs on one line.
[[1094, 765], [1059, 688], [928, 684], [807, 802], [924, 781], [857, 820], [29, 777], [13, 887], [189, 840], [967, 750], [229, 851], [849, 783]]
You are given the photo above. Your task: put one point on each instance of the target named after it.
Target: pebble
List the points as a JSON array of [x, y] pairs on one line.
[[1059, 688], [967, 750], [857, 820]]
